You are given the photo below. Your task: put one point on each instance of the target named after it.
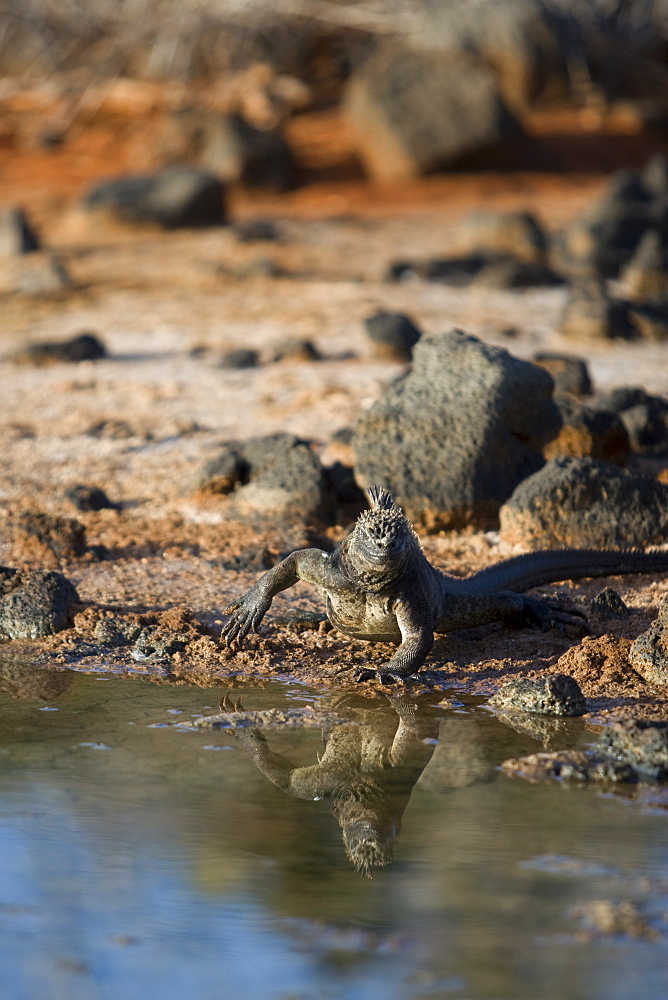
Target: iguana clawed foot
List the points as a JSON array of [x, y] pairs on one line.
[[247, 614], [383, 675], [543, 614]]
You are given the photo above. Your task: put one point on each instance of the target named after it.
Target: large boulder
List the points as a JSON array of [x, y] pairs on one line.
[[34, 603], [584, 503], [453, 438], [174, 197], [528, 45], [413, 112]]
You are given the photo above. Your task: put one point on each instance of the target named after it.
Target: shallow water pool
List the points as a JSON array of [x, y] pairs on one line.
[[142, 858]]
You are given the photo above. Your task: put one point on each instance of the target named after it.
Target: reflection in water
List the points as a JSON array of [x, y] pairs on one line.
[[23, 679], [367, 772], [158, 868]]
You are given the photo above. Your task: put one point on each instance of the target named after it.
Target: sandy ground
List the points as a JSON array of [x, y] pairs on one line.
[[140, 423]]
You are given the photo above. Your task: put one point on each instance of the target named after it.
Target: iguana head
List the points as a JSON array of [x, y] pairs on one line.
[[382, 539]]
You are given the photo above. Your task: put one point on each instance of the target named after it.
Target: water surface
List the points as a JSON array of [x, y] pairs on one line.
[[138, 858]]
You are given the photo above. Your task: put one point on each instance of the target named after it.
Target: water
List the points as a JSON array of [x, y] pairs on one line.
[[140, 859]]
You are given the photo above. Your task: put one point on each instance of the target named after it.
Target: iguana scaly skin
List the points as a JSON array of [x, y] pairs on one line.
[[380, 587]]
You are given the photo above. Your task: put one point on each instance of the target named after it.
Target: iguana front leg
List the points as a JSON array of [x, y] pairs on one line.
[[417, 638], [247, 613]]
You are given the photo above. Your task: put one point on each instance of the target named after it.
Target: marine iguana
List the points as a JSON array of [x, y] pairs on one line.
[[380, 587]]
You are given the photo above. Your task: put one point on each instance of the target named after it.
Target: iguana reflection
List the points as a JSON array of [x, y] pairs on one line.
[[367, 772]]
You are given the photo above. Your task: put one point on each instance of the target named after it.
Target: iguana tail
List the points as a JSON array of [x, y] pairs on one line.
[[534, 569]]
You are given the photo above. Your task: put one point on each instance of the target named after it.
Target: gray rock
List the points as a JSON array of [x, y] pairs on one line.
[[514, 234], [645, 277], [40, 538], [481, 268], [589, 430], [16, 234], [512, 272], [591, 313], [453, 437], [608, 605], [172, 198], [117, 631], [557, 694], [240, 357], [277, 477], [645, 418], [649, 653], [393, 335], [648, 321], [604, 239], [530, 47], [413, 112], [87, 498], [82, 347], [230, 147], [34, 603], [570, 373], [584, 503], [240, 153], [295, 349], [641, 744]]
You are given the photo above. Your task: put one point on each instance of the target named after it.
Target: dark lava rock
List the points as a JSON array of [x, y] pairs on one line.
[[645, 418], [117, 631], [483, 269], [229, 146], [648, 321], [591, 314], [453, 437], [257, 231], [393, 335], [224, 472], [591, 431], [16, 234], [645, 277], [570, 373], [412, 112], [583, 503], [172, 198], [240, 153], [34, 603], [649, 653], [87, 498], [641, 744], [608, 605], [511, 272], [47, 540], [604, 238], [296, 349], [557, 694], [277, 477], [508, 234], [83, 347], [241, 357], [153, 645]]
